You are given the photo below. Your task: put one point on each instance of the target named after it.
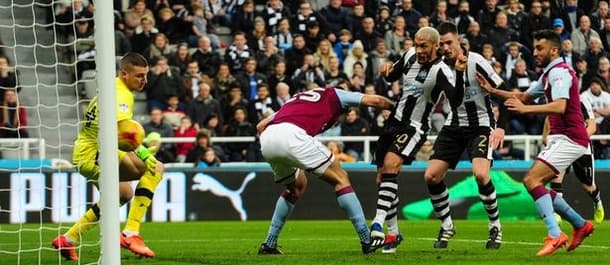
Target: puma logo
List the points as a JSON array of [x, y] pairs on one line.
[[205, 182]]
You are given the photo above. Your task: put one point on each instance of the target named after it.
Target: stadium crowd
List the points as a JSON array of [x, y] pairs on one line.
[[220, 66]]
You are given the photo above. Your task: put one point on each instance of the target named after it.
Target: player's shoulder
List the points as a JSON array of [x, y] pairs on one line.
[[477, 58]]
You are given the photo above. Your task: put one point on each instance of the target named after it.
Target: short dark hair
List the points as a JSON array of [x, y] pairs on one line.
[[131, 59], [548, 35], [447, 27]]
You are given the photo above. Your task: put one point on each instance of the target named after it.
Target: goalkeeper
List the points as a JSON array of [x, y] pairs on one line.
[[140, 164]]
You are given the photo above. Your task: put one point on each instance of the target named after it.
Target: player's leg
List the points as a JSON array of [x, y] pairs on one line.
[[145, 190], [283, 208], [349, 202], [584, 169], [448, 147], [557, 186]]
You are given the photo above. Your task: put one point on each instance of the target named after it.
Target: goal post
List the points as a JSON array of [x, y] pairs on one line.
[[107, 136]]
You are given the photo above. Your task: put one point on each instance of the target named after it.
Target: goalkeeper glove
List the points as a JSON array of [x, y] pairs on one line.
[[147, 155]]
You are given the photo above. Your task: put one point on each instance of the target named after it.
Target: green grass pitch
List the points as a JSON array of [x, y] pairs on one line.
[[309, 242]]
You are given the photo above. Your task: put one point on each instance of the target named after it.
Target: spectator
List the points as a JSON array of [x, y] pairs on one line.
[[212, 124], [122, 44], [313, 36], [343, 46], [202, 106], [203, 142], [282, 95], [14, 116], [84, 47], [208, 159], [186, 130], [584, 75], [410, 14], [256, 36], [134, 15], [354, 125], [192, 80], [333, 75], [376, 59], [323, 54], [173, 114], [336, 148], [395, 38], [67, 13], [475, 37], [571, 14], [516, 16], [604, 70], [368, 35], [307, 74], [239, 126], [305, 15], [463, 20], [568, 53], [337, 18], [217, 12], [279, 76], [144, 34], [283, 37], [234, 100], [535, 20], [243, 19], [8, 78], [156, 124], [261, 106], [559, 29], [250, 79], [180, 58], [162, 83], [487, 16], [223, 81], [594, 53], [201, 27], [159, 47], [581, 37], [440, 14], [171, 26], [356, 54], [383, 19], [268, 57], [501, 33], [208, 59], [521, 77], [488, 53], [598, 95], [604, 34], [369, 114], [423, 21], [597, 18], [294, 56], [237, 53], [275, 11], [514, 52]]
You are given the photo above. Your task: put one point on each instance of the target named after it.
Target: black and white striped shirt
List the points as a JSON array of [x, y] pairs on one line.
[[421, 89], [475, 109]]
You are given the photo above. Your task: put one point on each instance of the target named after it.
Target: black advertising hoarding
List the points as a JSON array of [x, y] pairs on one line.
[[229, 194]]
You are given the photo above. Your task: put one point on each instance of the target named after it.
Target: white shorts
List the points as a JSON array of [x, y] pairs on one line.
[[287, 147], [560, 152]]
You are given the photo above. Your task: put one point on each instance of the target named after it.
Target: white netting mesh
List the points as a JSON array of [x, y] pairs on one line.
[[38, 201]]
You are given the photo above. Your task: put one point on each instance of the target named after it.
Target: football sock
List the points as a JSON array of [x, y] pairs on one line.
[[144, 193], [392, 218], [439, 196], [386, 194], [84, 224], [564, 209], [348, 201], [595, 195], [544, 204], [283, 208], [487, 194]]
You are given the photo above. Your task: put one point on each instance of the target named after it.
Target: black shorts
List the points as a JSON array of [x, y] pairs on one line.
[[404, 142], [583, 169], [452, 140]]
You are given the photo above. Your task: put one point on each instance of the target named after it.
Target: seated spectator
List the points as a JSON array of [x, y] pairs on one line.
[[384, 21], [515, 51], [174, 28], [186, 129], [308, 73], [375, 60], [201, 27], [594, 54], [250, 79], [243, 19], [559, 29], [66, 14], [233, 100], [192, 80], [268, 57], [501, 33], [368, 35], [162, 83], [202, 106], [475, 37], [343, 46], [463, 20], [410, 14], [212, 124], [261, 106], [223, 81], [440, 14], [336, 148], [238, 53], [257, 35], [304, 15], [568, 53], [295, 55], [203, 142], [208, 159], [522, 77], [323, 54], [173, 114], [396, 36], [584, 75], [240, 126], [180, 58], [582, 35], [158, 125], [488, 53], [354, 125], [134, 14], [283, 37], [207, 57], [356, 54], [8, 78], [159, 47], [313, 36], [333, 75], [84, 47], [274, 12], [282, 95], [279, 76], [358, 79], [217, 12], [144, 35], [14, 116]]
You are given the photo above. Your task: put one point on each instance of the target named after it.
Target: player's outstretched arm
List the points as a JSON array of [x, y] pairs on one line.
[[503, 94], [260, 127], [377, 101]]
